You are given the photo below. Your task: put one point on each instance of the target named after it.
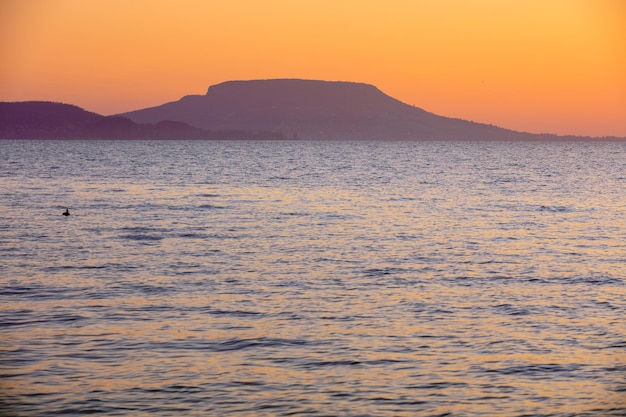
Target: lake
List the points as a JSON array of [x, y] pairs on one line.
[[288, 278]]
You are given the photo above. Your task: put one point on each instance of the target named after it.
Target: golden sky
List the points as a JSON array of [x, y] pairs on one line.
[[555, 66]]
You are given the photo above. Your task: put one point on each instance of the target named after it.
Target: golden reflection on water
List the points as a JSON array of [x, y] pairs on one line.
[[394, 298]]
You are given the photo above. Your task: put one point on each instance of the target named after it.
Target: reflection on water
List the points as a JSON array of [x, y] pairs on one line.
[[315, 278]]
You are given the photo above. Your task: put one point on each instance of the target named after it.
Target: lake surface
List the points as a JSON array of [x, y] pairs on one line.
[[312, 278]]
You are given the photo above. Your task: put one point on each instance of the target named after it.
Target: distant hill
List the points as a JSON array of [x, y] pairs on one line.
[[308, 109], [257, 109], [48, 120], [44, 119]]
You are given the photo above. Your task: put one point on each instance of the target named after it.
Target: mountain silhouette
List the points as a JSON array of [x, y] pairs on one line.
[[49, 120], [258, 109], [309, 109]]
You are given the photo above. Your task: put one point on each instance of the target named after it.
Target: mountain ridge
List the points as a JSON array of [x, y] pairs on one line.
[[286, 108], [323, 110], [51, 120], [313, 109]]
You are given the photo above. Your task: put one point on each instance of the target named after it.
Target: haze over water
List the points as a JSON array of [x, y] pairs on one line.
[[312, 278]]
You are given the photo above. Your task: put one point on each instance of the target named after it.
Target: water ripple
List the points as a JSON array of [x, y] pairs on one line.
[[312, 278]]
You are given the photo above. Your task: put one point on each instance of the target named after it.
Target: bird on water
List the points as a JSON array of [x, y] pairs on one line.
[[66, 212]]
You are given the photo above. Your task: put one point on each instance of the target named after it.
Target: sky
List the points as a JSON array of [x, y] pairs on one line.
[[541, 66]]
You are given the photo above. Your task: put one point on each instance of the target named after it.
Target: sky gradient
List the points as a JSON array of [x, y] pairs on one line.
[[556, 66]]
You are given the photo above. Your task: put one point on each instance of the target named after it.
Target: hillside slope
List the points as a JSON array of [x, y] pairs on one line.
[[49, 120], [309, 109]]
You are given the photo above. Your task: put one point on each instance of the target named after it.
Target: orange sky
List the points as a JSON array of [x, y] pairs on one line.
[[554, 66]]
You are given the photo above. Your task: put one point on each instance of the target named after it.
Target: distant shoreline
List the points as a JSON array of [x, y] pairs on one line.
[[281, 109]]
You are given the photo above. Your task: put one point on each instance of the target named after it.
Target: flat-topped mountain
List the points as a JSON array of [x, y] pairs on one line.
[[309, 109], [258, 109]]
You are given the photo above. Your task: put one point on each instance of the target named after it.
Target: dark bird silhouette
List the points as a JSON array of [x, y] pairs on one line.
[[66, 212]]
